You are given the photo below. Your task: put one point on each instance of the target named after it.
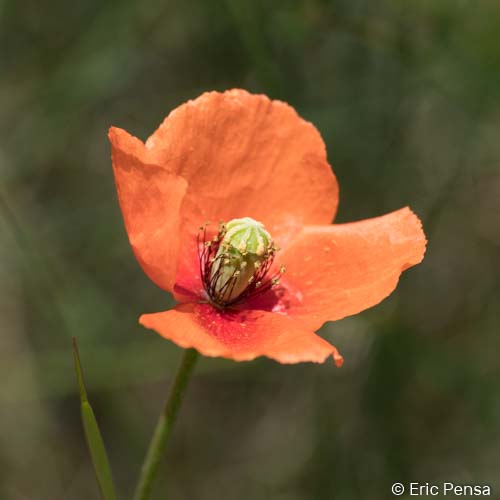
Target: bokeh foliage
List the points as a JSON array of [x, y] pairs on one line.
[[407, 97]]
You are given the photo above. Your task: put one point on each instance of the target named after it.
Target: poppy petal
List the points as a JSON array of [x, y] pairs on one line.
[[245, 155], [338, 270], [150, 198], [240, 335]]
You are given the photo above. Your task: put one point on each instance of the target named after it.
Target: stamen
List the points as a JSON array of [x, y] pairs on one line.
[[235, 262]]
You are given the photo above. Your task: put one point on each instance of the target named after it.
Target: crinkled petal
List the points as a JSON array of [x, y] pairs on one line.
[[245, 155], [240, 335], [150, 199], [338, 270]]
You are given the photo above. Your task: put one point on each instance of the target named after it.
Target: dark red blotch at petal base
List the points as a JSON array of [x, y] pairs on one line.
[[234, 154], [241, 335]]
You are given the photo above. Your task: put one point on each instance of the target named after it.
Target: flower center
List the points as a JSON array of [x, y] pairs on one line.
[[234, 264]]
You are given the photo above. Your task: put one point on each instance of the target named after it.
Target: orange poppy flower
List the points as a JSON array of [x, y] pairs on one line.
[[242, 158]]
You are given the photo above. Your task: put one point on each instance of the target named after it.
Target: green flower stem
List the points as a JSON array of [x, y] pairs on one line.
[[164, 426]]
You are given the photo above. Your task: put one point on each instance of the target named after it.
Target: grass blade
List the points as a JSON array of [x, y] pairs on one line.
[[93, 436]]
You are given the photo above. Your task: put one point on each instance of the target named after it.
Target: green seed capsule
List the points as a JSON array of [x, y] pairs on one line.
[[245, 247]]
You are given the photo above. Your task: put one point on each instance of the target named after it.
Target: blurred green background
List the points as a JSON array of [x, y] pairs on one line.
[[407, 97]]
